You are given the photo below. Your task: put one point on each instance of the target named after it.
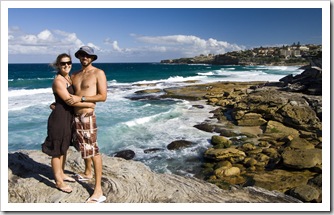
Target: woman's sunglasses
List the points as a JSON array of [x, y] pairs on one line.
[[64, 63]]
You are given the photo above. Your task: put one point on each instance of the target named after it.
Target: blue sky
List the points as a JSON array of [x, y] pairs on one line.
[[153, 34]]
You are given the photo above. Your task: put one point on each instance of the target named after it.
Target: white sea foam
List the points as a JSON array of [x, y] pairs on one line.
[[206, 73], [139, 121], [31, 79], [282, 68], [247, 73], [177, 80], [25, 92], [27, 98], [17, 107]]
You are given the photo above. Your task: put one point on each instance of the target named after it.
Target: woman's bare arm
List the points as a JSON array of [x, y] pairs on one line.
[[59, 88]]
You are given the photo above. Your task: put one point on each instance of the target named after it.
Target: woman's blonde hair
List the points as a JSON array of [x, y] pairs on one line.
[[55, 64]]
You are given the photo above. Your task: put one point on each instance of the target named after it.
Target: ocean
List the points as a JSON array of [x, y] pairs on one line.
[[125, 123]]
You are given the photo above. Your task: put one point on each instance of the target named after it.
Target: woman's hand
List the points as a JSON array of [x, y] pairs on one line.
[[53, 106], [91, 105]]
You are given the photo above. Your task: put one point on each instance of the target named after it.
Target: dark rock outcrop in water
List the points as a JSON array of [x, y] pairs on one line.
[[30, 180], [125, 154], [308, 82]]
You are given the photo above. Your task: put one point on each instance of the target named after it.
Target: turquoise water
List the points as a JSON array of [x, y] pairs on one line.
[[124, 123]]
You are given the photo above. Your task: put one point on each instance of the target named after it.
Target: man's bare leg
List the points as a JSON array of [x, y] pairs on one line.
[[87, 174], [97, 161], [88, 168]]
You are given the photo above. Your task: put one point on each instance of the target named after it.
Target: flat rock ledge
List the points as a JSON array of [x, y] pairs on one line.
[[30, 180]]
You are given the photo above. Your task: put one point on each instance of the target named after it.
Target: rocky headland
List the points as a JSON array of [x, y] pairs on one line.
[[266, 147], [285, 55], [266, 134]]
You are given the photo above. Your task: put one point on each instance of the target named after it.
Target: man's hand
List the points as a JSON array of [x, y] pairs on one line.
[[70, 101], [73, 99]]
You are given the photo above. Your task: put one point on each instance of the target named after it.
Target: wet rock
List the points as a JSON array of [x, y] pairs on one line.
[[222, 154], [227, 171], [309, 81], [248, 147], [198, 106], [251, 119], [205, 127], [278, 130], [220, 141], [302, 158], [147, 91], [305, 193], [126, 154], [153, 150], [300, 143], [316, 181], [249, 162], [300, 117], [223, 131], [179, 144], [279, 180]]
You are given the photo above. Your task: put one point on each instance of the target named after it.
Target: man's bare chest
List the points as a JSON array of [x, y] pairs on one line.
[[82, 82]]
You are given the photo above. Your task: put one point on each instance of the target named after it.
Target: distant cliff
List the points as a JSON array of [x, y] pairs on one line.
[[257, 56], [223, 59]]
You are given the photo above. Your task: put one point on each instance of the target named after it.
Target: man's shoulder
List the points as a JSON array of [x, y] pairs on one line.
[[98, 71]]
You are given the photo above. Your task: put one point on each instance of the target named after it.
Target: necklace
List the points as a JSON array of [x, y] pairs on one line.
[[67, 78]]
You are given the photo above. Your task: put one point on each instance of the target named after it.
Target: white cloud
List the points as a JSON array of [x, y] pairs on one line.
[[29, 39], [114, 45], [171, 39], [180, 45], [69, 38], [189, 45], [45, 42], [96, 48], [53, 42], [45, 35]]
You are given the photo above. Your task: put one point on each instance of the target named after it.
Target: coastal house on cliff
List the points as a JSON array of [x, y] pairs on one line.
[[290, 52]]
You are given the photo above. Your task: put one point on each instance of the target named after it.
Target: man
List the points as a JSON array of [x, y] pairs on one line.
[[90, 85]]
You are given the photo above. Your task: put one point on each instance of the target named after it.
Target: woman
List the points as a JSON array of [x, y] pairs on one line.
[[59, 136]]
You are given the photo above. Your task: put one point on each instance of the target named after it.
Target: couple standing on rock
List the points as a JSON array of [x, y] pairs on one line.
[[73, 121]]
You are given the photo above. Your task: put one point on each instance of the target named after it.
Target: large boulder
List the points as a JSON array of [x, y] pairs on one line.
[[309, 81], [298, 116], [220, 141], [280, 180], [251, 119], [278, 130], [302, 158], [179, 144], [224, 154], [306, 193]]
